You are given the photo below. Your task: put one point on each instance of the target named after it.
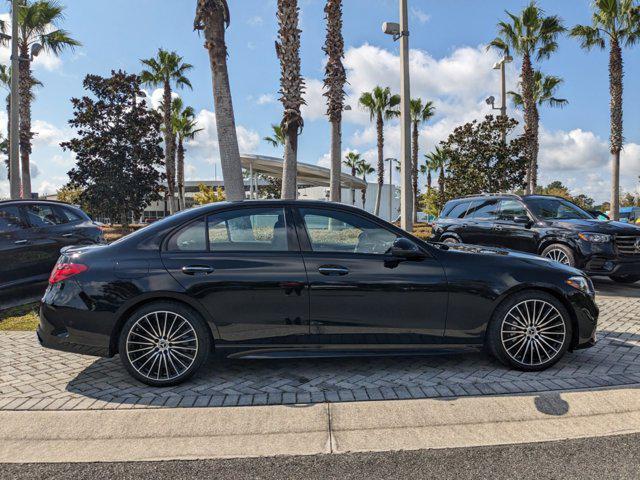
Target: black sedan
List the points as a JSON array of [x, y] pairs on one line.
[[293, 278]]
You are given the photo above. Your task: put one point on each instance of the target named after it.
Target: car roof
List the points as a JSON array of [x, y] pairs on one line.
[[25, 201]]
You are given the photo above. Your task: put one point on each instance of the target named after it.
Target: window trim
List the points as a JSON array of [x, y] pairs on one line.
[[305, 239]]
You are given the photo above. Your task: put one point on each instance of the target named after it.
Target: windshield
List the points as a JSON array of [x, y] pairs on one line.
[[556, 209]]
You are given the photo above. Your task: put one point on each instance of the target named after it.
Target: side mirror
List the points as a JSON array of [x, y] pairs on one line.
[[522, 220], [406, 249]]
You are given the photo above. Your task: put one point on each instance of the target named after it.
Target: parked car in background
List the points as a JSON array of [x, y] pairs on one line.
[[630, 215], [261, 279], [32, 233], [549, 226]]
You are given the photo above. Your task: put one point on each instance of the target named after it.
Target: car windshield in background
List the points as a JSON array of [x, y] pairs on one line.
[[556, 209]]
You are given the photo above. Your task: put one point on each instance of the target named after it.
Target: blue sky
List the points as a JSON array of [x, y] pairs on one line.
[[449, 66]]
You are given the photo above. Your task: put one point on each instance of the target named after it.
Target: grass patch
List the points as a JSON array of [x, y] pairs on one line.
[[24, 318]]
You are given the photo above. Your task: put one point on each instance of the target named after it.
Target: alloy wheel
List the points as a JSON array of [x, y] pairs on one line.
[[162, 345], [533, 332], [558, 255]]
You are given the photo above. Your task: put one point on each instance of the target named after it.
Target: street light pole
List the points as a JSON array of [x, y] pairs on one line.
[[502, 66], [406, 187], [391, 161], [14, 160]]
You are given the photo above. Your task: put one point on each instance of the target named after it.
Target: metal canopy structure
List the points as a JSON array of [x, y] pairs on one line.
[[307, 174]]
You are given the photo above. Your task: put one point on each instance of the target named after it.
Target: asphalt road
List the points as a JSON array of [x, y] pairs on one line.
[[605, 457]]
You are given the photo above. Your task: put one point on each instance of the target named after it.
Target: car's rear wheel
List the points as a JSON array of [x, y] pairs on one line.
[[450, 241], [530, 331], [625, 278], [560, 253], [164, 343]]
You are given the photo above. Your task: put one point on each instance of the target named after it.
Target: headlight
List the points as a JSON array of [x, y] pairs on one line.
[[595, 237], [582, 283]]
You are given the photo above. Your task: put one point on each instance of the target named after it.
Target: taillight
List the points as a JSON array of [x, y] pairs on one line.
[[62, 271]]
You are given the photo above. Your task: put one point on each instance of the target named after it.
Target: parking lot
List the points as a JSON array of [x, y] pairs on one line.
[[34, 378]]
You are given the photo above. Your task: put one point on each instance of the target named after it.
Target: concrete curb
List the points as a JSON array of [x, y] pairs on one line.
[[200, 433]]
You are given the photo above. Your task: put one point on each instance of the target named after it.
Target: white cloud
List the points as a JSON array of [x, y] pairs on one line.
[[420, 15], [256, 21], [316, 106], [266, 98], [48, 134], [46, 60], [156, 97]]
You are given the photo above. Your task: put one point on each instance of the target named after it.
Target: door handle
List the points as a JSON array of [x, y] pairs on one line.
[[21, 242], [197, 269], [67, 235], [499, 227], [333, 270]]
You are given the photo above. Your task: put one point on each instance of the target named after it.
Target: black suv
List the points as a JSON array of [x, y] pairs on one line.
[[32, 232], [549, 226]]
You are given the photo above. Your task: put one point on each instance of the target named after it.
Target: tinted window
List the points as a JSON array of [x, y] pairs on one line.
[[556, 209], [459, 210], [68, 215], [10, 220], [41, 215], [335, 231], [248, 230], [191, 238], [483, 209], [509, 209]]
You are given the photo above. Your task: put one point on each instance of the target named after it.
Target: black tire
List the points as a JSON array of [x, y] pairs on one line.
[[450, 241], [496, 338], [628, 279], [558, 250], [180, 359]]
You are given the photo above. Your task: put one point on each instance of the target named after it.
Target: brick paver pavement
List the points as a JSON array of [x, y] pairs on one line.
[[33, 378]]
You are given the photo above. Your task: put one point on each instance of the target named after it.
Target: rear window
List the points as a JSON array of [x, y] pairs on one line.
[[455, 210]]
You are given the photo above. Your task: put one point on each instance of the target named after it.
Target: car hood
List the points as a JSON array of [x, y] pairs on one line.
[[512, 255], [597, 226]]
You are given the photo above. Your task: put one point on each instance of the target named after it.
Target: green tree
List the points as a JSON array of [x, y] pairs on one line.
[[618, 23], [544, 91], [165, 70], [439, 161], [420, 113], [207, 194], [364, 169], [351, 161], [213, 17], [117, 147], [291, 91], [533, 36], [38, 23], [277, 138], [382, 106], [334, 80], [184, 128], [479, 160]]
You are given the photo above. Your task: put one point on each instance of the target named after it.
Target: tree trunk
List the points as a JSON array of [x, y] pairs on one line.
[[364, 195], [9, 173], [535, 145], [214, 32], [615, 88], [414, 170], [529, 117], [441, 181], [429, 180], [169, 153], [353, 190], [290, 167], [335, 192], [25, 120], [380, 129], [180, 175]]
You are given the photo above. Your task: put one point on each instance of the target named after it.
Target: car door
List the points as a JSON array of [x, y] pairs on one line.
[[479, 220], [44, 243], [244, 265], [360, 295], [510, 229], [16, 257]]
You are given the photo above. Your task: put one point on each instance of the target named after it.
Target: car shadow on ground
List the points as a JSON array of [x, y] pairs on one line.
[[224, 382], [608, 288]]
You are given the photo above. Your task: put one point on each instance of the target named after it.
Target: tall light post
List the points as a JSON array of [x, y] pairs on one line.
[[14, 152], [391, 162], [401, 32], [502, 66]]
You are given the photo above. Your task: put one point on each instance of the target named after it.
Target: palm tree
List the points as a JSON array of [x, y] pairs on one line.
[[165, 70], [419, 113], [352, 160], [545, 87], [213, 17], [381, 106], [291, 90], [334, 80], [277, 139], [364, 168], [533, 36], [38, 29], [184, 128], [618, 22], [439, 161]]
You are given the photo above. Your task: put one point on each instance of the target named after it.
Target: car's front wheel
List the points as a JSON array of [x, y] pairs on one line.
[[164, 343], [529, 331], [560, 253]]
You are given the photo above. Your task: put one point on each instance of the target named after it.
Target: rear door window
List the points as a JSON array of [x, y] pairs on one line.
[[67, 215], [40, 215], [483, 209], [459, 210]]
